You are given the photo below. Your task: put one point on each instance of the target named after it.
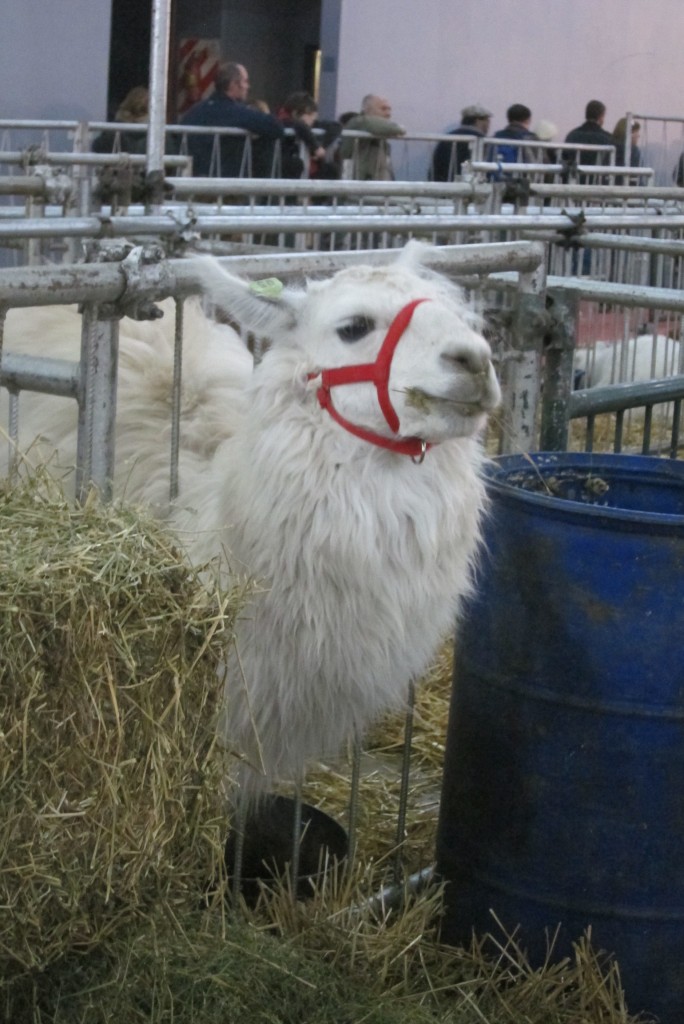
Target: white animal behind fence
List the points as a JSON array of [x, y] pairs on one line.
[[645, 357], [342, 473]]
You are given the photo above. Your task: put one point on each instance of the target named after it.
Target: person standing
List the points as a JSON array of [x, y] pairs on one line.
[[591, 132], [448, 157], [227, 107], [620, 136], [299, 113], [516, 188], [372, 158], [546, 131], [518, 127]]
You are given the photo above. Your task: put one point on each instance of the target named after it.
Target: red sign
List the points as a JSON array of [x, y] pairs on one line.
[[197, 63]]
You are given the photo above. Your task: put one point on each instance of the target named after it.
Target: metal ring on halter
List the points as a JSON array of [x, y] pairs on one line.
[[419, 458]]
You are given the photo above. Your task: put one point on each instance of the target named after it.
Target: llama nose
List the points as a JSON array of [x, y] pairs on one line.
[[476, 363]]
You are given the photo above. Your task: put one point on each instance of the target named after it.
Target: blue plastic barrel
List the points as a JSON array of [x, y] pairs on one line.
[[563, 791]]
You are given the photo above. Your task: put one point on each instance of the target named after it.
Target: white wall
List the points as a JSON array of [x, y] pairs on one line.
[[432, 57], [54, 60]]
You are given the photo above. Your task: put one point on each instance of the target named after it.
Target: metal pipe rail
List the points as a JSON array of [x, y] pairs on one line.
[[515, 167], [235, 216], [305, 188], [346, 208], [122, 226], [634, 243], [176, 221], [45, 375], [33, 157], [95, 283], [172, 129], [70, 125], [643, 193], [632, 295], [111, 282], [20, 185], [656, 117], [8, 124], [454, 260], [494, 141], [617, 397]]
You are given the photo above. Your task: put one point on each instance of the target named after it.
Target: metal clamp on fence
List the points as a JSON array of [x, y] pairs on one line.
[[569, 237], [58, 186], [144, 267]]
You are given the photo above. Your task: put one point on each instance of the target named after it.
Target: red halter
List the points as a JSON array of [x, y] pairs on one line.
[[375, 373]]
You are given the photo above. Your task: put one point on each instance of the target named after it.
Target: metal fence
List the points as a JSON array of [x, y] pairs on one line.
[[412, 152], [661, 144], [352, 215], [636, 404], [560, 271]]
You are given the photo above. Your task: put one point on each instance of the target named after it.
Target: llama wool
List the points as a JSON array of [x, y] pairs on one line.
[[354, 505]]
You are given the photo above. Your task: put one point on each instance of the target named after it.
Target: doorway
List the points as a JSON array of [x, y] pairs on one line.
[[278, 41]]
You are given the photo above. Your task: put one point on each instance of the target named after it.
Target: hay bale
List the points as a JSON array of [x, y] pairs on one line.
[[110, 775]]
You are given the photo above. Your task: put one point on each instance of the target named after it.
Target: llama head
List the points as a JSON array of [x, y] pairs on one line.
[[426, 374]]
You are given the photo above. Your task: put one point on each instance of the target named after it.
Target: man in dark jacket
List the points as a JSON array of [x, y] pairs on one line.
[[518, 127], [226, 108], [591, 132], [448, 157]]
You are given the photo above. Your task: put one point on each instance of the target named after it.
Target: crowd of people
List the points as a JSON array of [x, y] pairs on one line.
[[302, 151], [227, 107], [315, 148], [448, 158]]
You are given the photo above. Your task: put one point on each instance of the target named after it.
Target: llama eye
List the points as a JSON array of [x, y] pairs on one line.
[[356, 328]]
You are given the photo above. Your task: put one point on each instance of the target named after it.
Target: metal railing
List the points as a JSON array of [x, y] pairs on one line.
[[621, 399], [412, 151], [562, 404], [643, 228], [661, 144], [508, 278], [136, 277]]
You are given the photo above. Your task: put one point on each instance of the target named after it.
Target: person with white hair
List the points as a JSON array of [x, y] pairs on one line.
[[371, 159], [546, 131]]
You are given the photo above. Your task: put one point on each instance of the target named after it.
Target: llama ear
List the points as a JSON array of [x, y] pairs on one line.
[[264, 307], [414, 254]]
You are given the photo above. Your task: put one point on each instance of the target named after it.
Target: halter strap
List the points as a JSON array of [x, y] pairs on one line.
[[376, 373]]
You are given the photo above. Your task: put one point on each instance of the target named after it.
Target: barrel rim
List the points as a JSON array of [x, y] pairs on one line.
[[501, 467]]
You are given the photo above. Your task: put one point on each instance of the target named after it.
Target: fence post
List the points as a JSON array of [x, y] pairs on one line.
[[156, 134], [558, 373], [521, 394], [97, 403]]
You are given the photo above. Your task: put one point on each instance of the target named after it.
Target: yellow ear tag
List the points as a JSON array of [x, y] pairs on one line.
[[267, 287]]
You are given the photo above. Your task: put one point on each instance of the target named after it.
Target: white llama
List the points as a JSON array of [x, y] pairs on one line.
[[342, 473]]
